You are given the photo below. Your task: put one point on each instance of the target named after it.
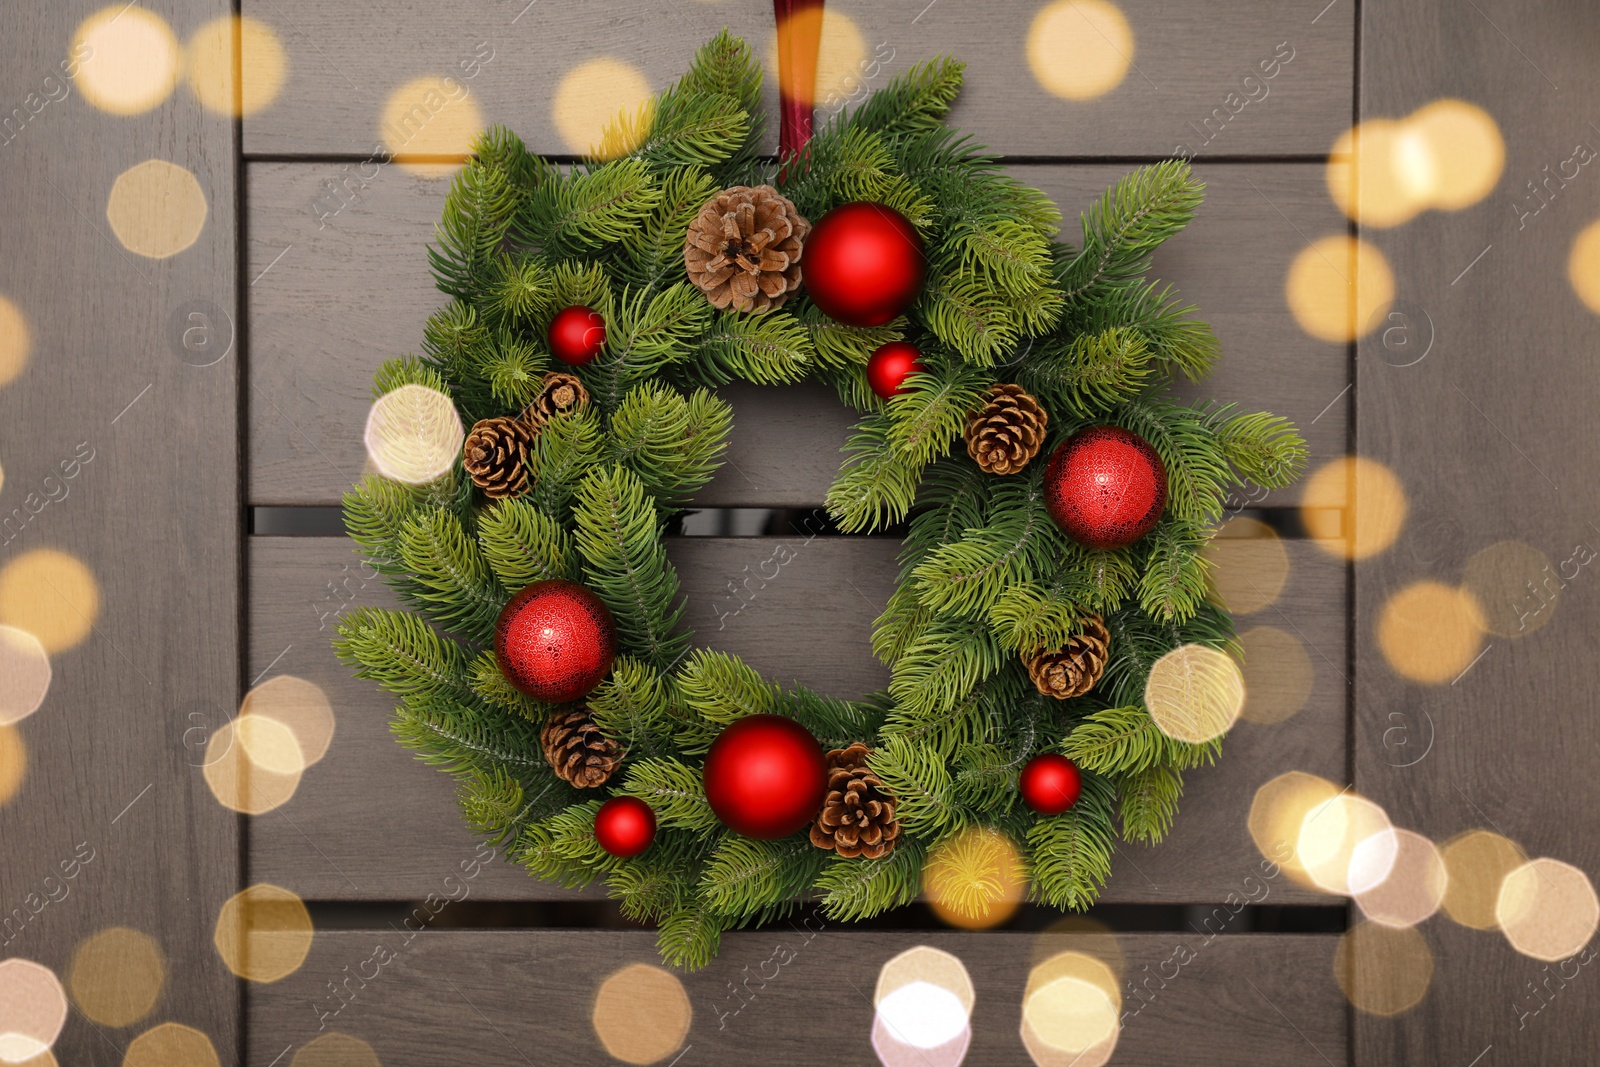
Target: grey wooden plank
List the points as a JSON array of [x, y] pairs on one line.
[[1489, 448], [109, 392], [370, 823], [353, 290], [454, 995], [1185, 88]]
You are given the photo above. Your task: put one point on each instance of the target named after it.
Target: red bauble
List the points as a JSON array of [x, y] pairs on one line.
[[1105, 487], [888, 367], [1050, 784], [625, 826], [577, 334], [555, 641], [766, 776], [863, 264]]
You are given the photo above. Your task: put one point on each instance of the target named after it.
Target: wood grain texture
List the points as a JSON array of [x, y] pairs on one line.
[[1487, 445], [453, 996], [370, 823], [124, 456], [353, 290], [1187, 60]]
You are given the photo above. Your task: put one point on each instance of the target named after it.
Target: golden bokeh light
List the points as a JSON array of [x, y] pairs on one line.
[[263, 933], [1461, 154], [596, 94], [1353, 507], [1080, 49], [1346, 845], [413, 434], [1081, 934], [1336, 287], [1278, 813], [1383, 970], [235, 777], [1249, 565], [1194, 693], [1366, 176], [841, 56], [641, 1014], [1278, 675], [50, 595], [24, 674], [1071, 1010], [235, 65], [1516, 587], [1414, 888], [156, 209], [128, 59], [974, 878], [1583, 267], [33, 1008], [171, 1045], [43, 1059], [1476, 864], [430, 124], [15, 341], [13, 762], [301, 706], [1547, 909], [923, 1003], [1430, 632], [335, 1049], [117, 976]]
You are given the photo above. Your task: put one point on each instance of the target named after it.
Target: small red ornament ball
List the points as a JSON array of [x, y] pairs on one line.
[[863, 264], [888, 367], [1050, 783], [625, 826], [577, 334], [1105, 487], [766, 776], [555, 641]]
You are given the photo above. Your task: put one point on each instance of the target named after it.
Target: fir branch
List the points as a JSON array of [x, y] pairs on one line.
[[856, 889], [1148, 801], [523, 545], [403, 654], [452, 580], [1071, 852], [1128, 223], [1126, 740], [721, 688], [914, 100], [674, 792]]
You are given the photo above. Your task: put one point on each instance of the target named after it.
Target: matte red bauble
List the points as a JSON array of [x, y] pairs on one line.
[[863, 264], [577, 334], [766, 776], [625, 826], [555, 641], [888, 367], [1105, 487], [1050, 784]]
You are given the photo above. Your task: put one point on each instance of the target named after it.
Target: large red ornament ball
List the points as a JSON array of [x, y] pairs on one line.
[[864, 264], [889, 366], [766, 776], [1105, 487], [625, 826], [1050, 784], [555, 641], [577, 334]]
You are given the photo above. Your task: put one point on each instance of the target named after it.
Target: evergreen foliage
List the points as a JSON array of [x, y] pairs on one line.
[[986, 578]]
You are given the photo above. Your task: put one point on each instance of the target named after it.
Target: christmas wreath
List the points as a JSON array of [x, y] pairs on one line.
[[594, 309]]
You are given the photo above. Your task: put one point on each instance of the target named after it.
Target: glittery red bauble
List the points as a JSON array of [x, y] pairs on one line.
[[555, 641], [765, 776], [625, 826], [1105, 487], [888, 367], [577, 334], [863, 264], [1050, 784]]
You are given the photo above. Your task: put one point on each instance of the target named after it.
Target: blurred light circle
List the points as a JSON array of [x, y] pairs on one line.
[[1547, 909], [1476, 864], [430, 124], [1383, 970], [269, 744], [1249, 565], [263, 933], [1583, 266], [1353, 507], [1278, 814], [974, 878], [301, 707], [1464, 153], [923, 1015], [24, 674], [50, 595], [1336, 287], [157, 209], [1414, 887], [1515, 586], [923, 1000], [1278, 675], [1194, 693], [236, 65], [1346, 844], [13, 762], [129, 59], [1373, 173], [1080, 49], [841, 57], [237, 779], [335, 1049], [33, 1008], [641, 1014], [171, 1045], [1071, 1005], [1430, 632], [117, 976], [15, 341], [598, 93], [413, 434]]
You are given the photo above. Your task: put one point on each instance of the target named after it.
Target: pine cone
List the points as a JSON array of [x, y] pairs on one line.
[[562, 393], [858, 815], [496, 456], [1007, 431], [576, 748], [743, 248], [1073, 670]]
